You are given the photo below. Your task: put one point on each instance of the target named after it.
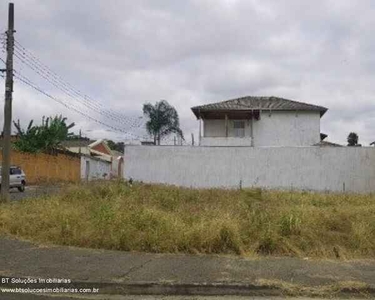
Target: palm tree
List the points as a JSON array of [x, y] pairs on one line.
[[163, 120]]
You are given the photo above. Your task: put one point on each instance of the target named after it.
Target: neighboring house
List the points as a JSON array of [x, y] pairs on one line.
[[257, 142], [95, 168], [100, 150], [84, 146], [78, 145], [259, 121], [63, 164]]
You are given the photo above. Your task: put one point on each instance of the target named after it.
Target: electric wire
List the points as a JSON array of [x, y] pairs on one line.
[[35, 63], [27, 82], [70, 93]]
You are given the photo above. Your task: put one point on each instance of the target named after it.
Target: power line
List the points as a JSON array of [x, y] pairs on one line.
[[47, 75], [33, 63], [65, 91], [70, 92], [26, 81], [20, 76], [27, 55]]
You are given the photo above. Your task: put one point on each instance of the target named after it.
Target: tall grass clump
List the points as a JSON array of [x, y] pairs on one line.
[[157, 218]]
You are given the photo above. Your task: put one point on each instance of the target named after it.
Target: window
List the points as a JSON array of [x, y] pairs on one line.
[[239, 128], [15, 171]]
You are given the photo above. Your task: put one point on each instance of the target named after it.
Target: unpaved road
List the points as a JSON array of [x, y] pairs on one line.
[[34, 191]]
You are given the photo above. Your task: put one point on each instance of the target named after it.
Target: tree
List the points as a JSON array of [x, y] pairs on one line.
[[163, 120], [111, 144], [352, 139], [43, 138], [119, 146]]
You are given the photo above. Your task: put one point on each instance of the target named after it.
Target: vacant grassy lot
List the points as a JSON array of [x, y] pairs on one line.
[[169, 219]]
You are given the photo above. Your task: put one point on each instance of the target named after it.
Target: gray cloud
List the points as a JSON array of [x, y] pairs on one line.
[[125, 53]]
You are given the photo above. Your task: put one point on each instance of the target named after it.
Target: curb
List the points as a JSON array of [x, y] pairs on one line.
[[189, 289]]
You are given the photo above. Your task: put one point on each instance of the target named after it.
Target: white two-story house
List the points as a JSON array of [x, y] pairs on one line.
[[259, 121]]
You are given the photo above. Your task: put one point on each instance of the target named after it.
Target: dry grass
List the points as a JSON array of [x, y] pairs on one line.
[[156, 218]]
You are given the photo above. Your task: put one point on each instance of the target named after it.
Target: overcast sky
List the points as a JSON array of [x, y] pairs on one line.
[[126, 53]]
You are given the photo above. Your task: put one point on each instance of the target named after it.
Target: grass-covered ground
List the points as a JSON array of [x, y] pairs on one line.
[[152, 218]]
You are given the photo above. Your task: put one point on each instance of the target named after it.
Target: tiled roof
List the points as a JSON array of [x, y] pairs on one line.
[[259, 103]]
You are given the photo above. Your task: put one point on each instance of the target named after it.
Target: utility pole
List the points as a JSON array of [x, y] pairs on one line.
[[8, 107]]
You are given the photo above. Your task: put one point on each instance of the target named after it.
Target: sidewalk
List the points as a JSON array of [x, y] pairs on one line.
[[115, 272]]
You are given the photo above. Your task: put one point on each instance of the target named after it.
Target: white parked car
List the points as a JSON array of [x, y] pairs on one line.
[[17, 178]]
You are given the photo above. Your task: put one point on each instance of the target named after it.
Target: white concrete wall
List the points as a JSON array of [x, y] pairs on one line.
[[98, 169], [223, 141], [310, 168], [283, 128], [278, 128]]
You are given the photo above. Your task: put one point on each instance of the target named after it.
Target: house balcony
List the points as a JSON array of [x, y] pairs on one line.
[[226, 141]]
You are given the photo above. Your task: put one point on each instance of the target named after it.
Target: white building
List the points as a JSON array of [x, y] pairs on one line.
[[98, 150], [264, 142], [259, 121]]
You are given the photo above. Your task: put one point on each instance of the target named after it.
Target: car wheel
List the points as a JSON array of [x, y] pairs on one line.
[[22, 188]]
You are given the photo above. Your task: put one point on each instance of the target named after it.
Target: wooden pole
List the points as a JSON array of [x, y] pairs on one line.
[[8, 107]]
